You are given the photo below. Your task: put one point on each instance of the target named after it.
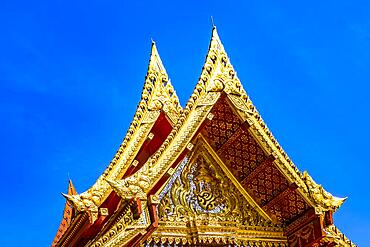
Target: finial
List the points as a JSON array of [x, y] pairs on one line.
[[153, 42], [213, 23]]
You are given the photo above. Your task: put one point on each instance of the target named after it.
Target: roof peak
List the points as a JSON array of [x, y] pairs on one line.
[[216, 38], [155, 61], [71, 188]]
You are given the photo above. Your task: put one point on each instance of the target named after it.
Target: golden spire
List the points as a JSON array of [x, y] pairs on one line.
[[158, 95], [218, 74], [155, 60], [216, 40], [158, 91]]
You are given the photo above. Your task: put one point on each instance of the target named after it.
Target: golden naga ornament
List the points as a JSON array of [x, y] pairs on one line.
[[323, 198]]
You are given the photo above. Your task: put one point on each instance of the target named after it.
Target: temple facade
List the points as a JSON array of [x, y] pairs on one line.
[[208, 174]]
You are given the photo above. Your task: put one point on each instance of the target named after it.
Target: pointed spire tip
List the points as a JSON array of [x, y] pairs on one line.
[[213, 23]]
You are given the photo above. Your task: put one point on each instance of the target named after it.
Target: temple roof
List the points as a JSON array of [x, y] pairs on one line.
[[218, 82], [218, 76]]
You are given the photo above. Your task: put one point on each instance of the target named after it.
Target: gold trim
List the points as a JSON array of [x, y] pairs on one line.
[[217, 76], [157, 95]]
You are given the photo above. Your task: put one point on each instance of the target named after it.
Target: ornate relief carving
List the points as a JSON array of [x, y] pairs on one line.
[[238, 102], [86, 202], [203, 195], [216, 85], [125, 225], [210, 99], [333, 235], [150, 117], [200, 205], [233, 86], [201, 199], [132, 186], [222, 241]]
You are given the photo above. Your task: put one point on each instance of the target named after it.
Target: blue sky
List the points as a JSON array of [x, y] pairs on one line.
[[71, 74]]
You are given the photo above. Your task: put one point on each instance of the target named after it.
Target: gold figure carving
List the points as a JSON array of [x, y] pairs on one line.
[[85, 202], [201, 205], [202, 193]]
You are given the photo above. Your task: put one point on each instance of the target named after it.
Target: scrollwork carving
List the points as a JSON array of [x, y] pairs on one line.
[[202, 193]]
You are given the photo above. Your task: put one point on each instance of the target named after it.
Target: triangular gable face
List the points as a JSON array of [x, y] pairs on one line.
[[203, 204]]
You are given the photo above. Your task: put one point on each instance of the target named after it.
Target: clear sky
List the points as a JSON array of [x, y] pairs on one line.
[[71, 74]]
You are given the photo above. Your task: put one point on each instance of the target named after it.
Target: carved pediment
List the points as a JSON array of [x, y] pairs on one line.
[[201, 199], [202, 193]]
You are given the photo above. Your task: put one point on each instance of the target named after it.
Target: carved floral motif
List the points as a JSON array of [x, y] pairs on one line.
[[202, 193]]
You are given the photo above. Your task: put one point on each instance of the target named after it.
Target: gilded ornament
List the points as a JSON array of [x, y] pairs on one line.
[[323, 198], [202, 203]]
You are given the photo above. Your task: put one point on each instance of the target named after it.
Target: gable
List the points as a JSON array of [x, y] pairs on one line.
[[203, 204], [238, 167]]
